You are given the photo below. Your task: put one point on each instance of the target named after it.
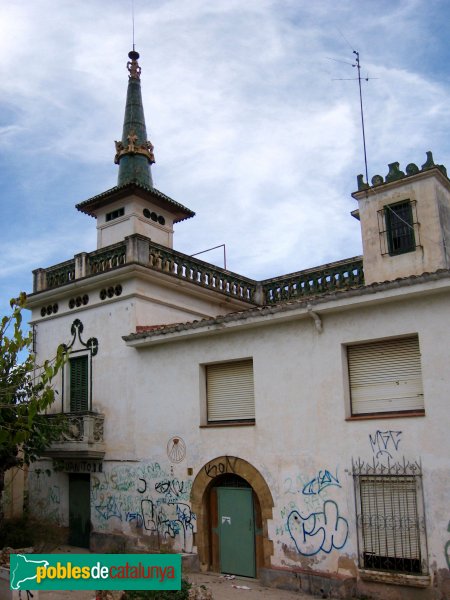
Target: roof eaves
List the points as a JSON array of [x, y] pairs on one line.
[[288, 305], [90, 203]]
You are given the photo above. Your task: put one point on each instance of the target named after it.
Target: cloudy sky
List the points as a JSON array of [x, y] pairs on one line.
[[253, 127]]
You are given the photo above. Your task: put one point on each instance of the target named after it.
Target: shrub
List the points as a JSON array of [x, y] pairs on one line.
[[25, 532], [182, 594]]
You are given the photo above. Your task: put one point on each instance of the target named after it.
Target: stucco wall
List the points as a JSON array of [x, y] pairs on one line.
[[432, 202], [301, 442]]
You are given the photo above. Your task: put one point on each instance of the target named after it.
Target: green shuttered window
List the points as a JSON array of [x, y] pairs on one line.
[[79, 384], [385, 376], [229, 390]]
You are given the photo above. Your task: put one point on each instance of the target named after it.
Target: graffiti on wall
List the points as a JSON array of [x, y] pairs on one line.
[[219, 466], [145, 497], [320, 531], [385, 443], [168, 520], [310, 516], [47, 500], [322, 480], [447, 548]]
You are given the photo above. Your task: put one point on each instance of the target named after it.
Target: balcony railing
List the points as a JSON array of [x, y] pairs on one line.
[[137, 249], [344, 274], [141, 250], [82, 436]]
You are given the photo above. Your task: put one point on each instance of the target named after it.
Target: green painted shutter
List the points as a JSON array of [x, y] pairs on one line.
[[385, 376], [79, 384], [230, 394]]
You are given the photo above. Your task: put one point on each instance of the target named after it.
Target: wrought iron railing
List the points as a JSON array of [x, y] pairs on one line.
[[390, 516], [340, 275]]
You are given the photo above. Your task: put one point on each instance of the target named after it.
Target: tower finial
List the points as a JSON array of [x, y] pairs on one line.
[[134, 152], [133, 65]]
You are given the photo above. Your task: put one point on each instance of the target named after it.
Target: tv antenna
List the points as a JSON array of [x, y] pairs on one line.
[[357, 65], [132, 19]]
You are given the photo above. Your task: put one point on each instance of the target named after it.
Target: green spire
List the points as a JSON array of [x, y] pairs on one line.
[[134, 153]]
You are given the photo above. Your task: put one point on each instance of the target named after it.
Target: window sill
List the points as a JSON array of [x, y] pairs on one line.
[[421, 581], [392, 415], [229, 424]]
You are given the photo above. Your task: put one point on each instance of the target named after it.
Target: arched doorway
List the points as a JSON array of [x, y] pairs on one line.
[[209, 497]]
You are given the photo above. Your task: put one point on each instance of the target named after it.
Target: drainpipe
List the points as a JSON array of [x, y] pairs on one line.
[[315, 316]]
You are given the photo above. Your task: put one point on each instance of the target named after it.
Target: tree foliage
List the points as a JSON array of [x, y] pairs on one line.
[[26, 391]]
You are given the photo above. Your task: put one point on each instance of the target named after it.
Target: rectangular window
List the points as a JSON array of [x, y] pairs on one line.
[[229, 391], [399, 223], [79, 391], [385, 376], [390, 520], [115, 214]]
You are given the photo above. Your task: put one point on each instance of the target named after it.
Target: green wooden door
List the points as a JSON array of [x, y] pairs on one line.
[[236, 531], [79, 510]]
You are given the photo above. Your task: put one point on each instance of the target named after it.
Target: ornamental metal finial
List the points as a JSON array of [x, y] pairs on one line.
[[133, 66], [145, 149]]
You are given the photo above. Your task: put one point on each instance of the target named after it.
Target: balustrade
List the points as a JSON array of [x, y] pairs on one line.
[[140, 250], [82, 435], [335, 276]]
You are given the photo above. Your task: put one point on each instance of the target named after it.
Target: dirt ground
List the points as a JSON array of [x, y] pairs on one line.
[[221, 587]]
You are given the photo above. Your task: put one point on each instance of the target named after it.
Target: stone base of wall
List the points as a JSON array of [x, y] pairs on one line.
[[437, 589], [6, 593], [326, 585], [309, 582], [108, 543]]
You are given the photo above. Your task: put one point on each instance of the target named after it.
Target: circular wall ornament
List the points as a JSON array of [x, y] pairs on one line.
[[176, 449]]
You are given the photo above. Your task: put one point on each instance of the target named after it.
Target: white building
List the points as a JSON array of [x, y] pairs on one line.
[[294, 429]]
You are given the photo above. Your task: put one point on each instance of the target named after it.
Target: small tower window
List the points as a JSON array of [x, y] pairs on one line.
[[115, 214], [398, 226]]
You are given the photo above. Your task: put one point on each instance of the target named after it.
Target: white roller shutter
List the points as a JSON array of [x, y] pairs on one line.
[[230, 393], [385, 376], [389, 517]]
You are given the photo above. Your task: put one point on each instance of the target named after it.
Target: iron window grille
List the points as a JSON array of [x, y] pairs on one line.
[[390, 517], [399, 228]]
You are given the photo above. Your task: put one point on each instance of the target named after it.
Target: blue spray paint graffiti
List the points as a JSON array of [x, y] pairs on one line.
[[447, 549], [319, 483], [320, 531], [109, 508], [385, 442]]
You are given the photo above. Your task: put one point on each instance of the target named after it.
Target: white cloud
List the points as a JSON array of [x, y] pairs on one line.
[[249, 128]]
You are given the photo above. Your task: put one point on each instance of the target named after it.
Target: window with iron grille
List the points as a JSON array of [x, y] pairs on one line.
[[229, 391], [79, 390], [398, 228], [390, 518]]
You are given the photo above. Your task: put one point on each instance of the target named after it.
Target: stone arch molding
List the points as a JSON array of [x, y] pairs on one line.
[[199, 501]]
